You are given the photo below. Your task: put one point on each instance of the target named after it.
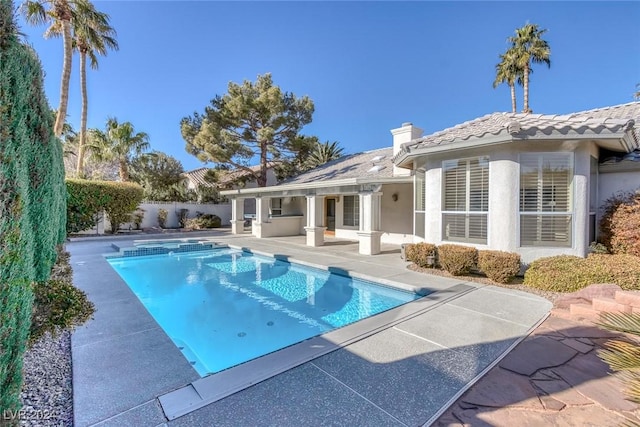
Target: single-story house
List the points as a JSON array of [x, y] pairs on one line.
[[517, 182]]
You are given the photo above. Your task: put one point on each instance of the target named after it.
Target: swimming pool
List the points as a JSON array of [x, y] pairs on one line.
[[224, 307]]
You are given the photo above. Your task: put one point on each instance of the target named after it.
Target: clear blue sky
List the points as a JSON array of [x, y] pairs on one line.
[[368, 66]]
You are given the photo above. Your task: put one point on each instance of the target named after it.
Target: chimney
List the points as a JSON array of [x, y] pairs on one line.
[[407, 133]]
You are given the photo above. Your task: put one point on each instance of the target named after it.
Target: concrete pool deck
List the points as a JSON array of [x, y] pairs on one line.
[[405, 373]]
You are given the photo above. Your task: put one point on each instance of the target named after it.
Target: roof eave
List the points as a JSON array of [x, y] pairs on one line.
[[628, 142], [405, 157], [248, 192]]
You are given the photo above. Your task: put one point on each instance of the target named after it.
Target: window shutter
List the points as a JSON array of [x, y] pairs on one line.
[[455, 185], [419, 189], [465, 199], [545, 199]]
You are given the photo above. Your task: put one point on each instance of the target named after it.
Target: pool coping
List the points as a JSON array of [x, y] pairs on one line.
[[217, 386]]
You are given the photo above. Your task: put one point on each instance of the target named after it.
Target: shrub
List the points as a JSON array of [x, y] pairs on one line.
[[625, 229], [609, 208], [598, 248], [87, 199], [457, 259], [421, 254], [204, 221], [32, 198], [183, 217], [162, 217], [566, 273], [58, 304], [137, 217], [124, 199], [85, 202], [499, 266]]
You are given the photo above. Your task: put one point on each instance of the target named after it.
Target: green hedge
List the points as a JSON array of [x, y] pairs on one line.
[[86, 199], [32, 198], [566, 273]]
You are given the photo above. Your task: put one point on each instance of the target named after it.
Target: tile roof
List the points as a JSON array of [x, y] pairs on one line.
[[197, 176], [369, 164], [599, 121]]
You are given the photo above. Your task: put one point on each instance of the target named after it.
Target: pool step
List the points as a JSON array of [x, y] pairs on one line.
[[190, 355]]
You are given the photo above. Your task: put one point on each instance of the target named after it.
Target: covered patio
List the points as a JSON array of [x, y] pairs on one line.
[[369, 211]]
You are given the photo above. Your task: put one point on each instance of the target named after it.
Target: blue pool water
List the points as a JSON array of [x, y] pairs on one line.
[[224, 307]]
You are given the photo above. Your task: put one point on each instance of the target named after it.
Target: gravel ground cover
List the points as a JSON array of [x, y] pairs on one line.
[[47, 393], [515, 285]]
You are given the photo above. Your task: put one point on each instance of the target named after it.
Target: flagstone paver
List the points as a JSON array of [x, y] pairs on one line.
[[562, 391], [501, 388], [537, 353], [577, 345], [572, 385]]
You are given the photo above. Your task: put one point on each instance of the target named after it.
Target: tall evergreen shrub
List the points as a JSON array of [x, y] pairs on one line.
[[87, 198], [32, 198]]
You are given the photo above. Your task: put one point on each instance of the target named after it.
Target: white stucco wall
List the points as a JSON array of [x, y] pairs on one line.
[[173, 208], [396, 221], [150, 218], [396, 216], [277, 227], [611, 183], [503, 220]]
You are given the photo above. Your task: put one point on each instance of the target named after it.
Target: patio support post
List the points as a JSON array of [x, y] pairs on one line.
[[369, 234], [314, 228], [237, 216], [262, 209], [262, 217]]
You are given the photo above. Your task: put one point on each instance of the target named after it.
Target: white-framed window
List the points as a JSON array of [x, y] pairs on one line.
[[419, 204], [465, 200], [351, 211], [276, 206], [546, 206]]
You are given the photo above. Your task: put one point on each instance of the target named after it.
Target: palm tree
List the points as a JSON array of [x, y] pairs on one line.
[[323, 153], [121, 143], [92, 36], [58, 14], [624, 356], [507, 71], [529, 47]]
